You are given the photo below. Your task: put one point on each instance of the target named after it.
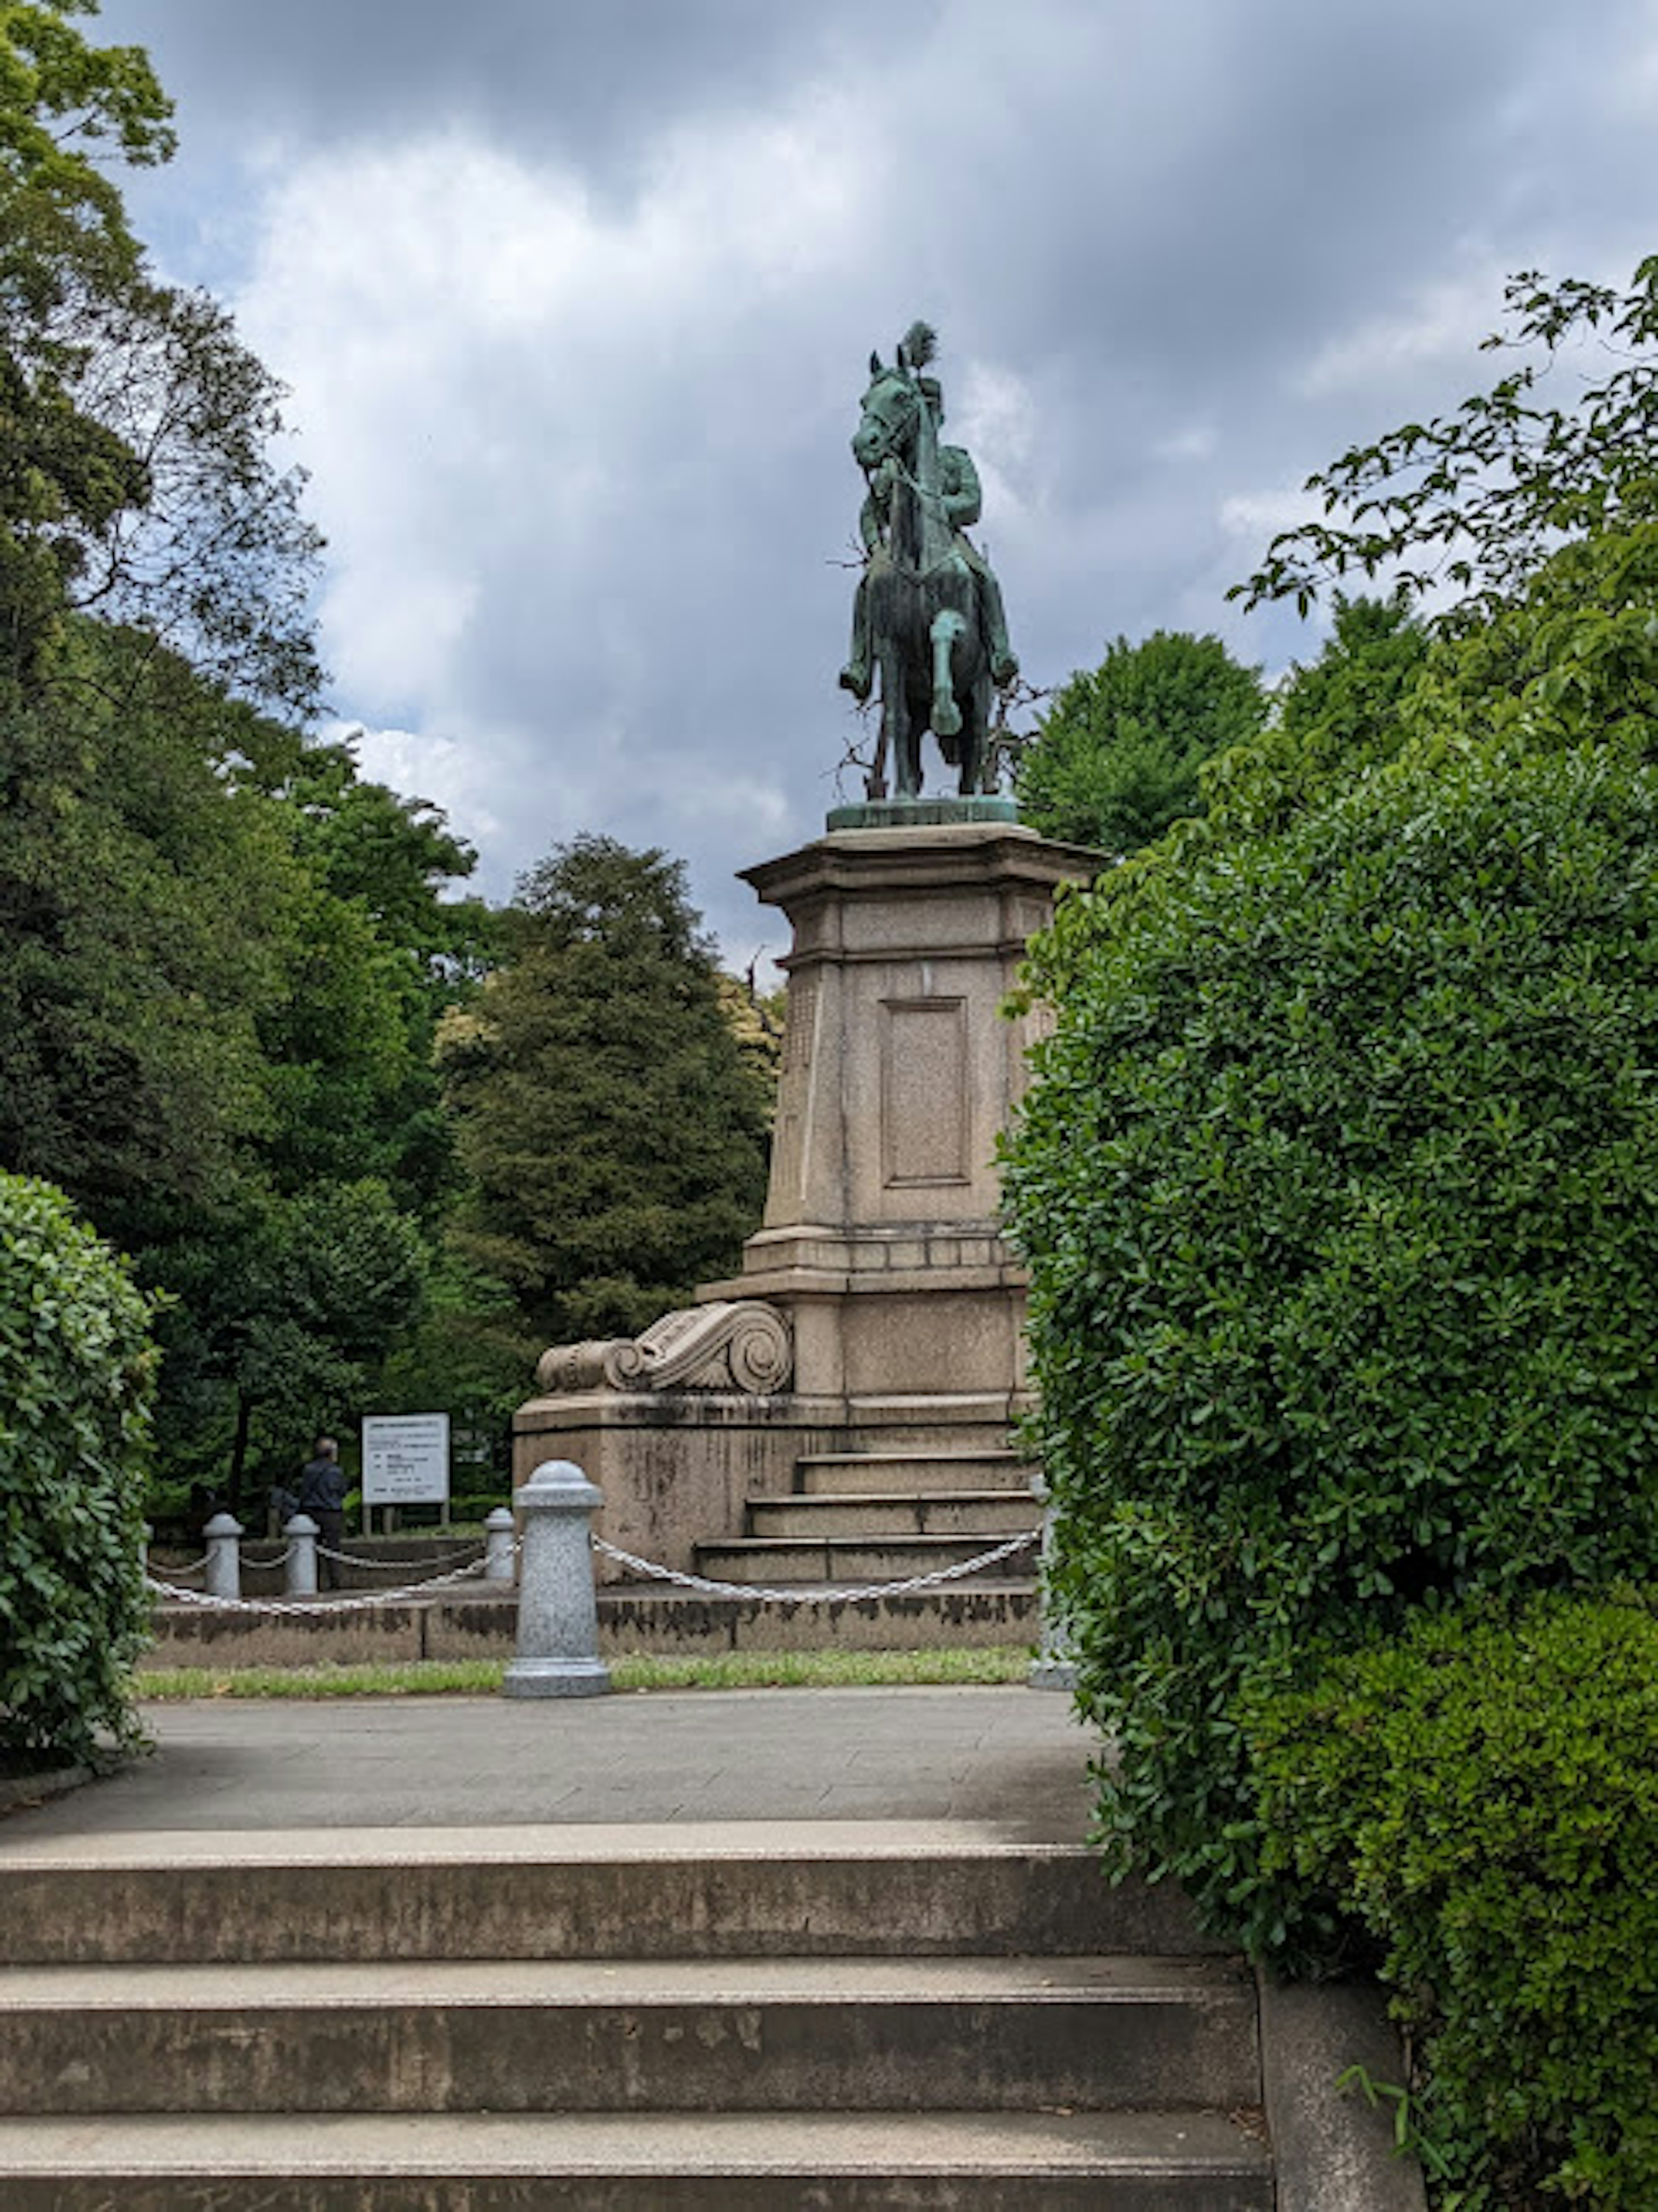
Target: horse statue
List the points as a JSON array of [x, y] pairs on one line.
[[929, 611]]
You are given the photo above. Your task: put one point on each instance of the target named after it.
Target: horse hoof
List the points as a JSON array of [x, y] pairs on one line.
[[947, 720]]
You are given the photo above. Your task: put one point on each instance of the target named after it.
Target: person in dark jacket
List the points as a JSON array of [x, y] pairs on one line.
[[322, 1495]]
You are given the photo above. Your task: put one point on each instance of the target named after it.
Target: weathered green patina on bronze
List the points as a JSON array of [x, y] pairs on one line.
[[928, 615]]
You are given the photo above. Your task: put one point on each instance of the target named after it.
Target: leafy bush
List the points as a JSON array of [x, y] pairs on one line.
[[1338, 1186], [77, 1370], [1484, 1795]]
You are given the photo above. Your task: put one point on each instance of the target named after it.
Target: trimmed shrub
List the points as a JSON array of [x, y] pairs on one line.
[[1483, 1795], [1338, 1186], [77, 1371]]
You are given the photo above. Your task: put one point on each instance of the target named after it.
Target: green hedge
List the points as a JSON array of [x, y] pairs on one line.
[[1339, 1185], [77, 1371], [1482, 1796]]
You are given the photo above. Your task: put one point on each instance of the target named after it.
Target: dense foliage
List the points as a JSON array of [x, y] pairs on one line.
[[1337, 1184], [612, 1127], [1117, 757], [76, 1371], [1481, 1797], [1337, 1189], [1333, 719]]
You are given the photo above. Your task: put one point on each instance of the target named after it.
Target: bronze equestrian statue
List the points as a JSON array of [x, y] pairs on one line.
[[928, 612]]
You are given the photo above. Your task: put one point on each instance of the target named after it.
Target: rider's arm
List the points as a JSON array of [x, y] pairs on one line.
[[958, 480]]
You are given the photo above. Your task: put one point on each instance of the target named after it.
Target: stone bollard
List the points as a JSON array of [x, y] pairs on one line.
[[300, 1568], [498, 1566], [223, 1534], [1053, 1668], [557, 1611]]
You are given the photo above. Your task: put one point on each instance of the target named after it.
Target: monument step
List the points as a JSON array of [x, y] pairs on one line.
[[776, 2035], [839, 1474], [969, 1612], [970, 2161], [763, 1889], [851, 1559], [988, 1513]]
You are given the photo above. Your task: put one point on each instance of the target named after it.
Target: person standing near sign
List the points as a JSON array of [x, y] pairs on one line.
[[322, 1495]]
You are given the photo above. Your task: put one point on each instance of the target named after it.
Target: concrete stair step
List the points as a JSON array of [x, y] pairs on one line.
[[689, 2035], [973, 2162], [849, 1473], [988, 1513], [854, 1559], [755, 1889]]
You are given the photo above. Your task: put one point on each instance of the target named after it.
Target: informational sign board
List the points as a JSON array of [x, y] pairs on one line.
[[405, 1459]]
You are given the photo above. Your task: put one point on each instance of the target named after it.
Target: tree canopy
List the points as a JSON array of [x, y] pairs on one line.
[[613, 1130], [1473, 504], [136, 476], [1116, 758]]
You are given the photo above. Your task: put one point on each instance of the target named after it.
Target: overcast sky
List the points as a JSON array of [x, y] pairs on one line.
[[574, 299]]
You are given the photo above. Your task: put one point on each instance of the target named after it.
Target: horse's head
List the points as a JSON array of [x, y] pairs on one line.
[[890, 417]]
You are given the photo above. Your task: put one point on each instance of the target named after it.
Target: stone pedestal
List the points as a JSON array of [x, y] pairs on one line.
[[881, 1242], [878, 1308]]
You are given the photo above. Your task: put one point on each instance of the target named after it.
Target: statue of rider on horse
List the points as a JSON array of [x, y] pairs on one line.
[[928, 613]]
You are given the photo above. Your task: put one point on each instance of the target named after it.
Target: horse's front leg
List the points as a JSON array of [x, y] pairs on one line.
[[948, 626], [900, 737], [907, 757]]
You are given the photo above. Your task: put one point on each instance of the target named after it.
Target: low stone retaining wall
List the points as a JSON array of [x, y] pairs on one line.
[[484, 1626]]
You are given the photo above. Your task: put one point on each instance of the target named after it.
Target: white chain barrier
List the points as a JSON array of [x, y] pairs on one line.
[[805, 1592], [472, 1553], [797, 1594], [177, 1592]]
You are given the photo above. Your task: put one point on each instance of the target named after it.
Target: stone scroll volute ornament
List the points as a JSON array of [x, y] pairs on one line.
[[928, 616]]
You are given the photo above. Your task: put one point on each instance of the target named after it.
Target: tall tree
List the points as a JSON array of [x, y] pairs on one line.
[[613, 1130], [135, 473], [1117, 757]]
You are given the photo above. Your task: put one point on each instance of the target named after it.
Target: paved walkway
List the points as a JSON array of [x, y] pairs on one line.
[[1013, 1758]]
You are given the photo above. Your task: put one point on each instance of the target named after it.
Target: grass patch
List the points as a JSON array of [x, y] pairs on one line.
[[727, 1670]]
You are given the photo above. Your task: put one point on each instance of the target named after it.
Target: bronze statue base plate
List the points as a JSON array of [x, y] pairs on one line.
[[919, 814]]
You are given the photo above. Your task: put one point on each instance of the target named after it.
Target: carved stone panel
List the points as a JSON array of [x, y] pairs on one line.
[[925, 1106]]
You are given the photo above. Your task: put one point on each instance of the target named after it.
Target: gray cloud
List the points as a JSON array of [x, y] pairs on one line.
[[574, 300]]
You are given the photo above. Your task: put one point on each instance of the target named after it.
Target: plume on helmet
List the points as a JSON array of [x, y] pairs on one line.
[[918, 345]]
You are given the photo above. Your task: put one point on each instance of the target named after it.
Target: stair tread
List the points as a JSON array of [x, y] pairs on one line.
[[944, 1842], [637, 1984], [477, 2144], [931, 1455], [847, 1543], [858, 1501]]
